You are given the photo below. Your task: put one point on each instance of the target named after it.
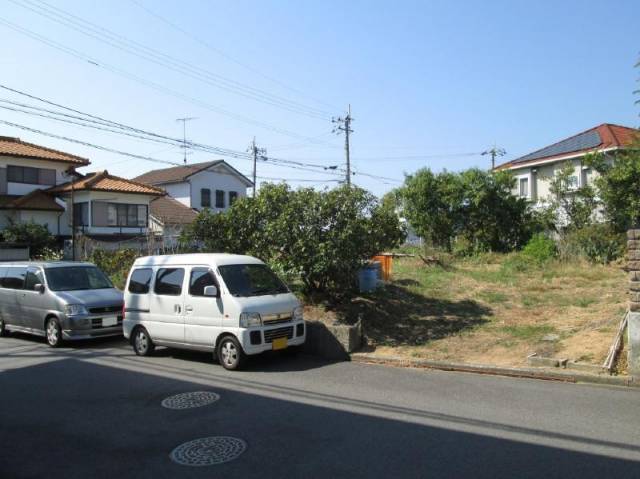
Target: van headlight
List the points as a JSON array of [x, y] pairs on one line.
[[248, 320], [75, 309], [298, 313]]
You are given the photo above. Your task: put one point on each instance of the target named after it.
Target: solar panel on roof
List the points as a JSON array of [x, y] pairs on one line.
[[588, 139]]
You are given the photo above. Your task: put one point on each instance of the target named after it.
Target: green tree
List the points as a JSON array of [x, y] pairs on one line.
[[322, 238], [474, 205], [431, 204], [618, 185], [31, 234], [570, 207]]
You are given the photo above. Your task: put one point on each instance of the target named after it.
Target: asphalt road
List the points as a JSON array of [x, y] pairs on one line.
[[94, 410]]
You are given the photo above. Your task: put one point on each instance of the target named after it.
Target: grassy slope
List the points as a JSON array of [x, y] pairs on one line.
[[484, 311]]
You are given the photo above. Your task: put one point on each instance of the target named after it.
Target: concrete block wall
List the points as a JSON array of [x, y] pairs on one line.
[[633, 320]]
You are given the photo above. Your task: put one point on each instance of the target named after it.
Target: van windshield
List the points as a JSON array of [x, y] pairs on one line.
[[251, 280], [73, 278]]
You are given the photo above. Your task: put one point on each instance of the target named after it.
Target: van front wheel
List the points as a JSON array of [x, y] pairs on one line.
[[54, 333], [230, 353], [142, 344]]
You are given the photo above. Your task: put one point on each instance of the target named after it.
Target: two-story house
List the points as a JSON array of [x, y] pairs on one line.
[[41, 185], [534, 170], [212, 184]]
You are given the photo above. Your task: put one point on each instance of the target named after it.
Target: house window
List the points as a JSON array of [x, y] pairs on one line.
[[81, 214], [587, 177], [524, 187], [205, 198], [32, 176], [572, 182], [219, 199], [119, 214], [233, 196]]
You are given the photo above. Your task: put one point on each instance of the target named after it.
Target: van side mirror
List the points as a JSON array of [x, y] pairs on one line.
[[39, 287], [211, 291]]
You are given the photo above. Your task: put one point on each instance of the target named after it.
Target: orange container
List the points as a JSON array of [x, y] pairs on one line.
[[386, 262]]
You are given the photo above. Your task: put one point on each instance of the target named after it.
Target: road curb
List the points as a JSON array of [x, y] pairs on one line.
[[527, 373]]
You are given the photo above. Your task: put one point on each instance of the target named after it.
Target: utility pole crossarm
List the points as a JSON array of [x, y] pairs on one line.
[[495, 151]]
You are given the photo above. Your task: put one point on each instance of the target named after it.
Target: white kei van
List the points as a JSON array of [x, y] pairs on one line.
[[232, 305]]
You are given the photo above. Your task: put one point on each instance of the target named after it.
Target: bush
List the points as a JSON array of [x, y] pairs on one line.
[[598, 243], [540, 249], [322, 238], [36, 236], [116, 264]]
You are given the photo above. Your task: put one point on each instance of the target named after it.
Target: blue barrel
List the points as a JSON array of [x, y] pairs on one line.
[[368, 279]]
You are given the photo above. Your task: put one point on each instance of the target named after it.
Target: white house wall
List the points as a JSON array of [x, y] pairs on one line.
[[25, 188], [179, 191], [215, 180]]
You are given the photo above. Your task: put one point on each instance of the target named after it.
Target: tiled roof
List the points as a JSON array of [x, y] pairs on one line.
[[600, 137], [171, 211], [177, 174], [103, 181], [10, 146], [36, 200]]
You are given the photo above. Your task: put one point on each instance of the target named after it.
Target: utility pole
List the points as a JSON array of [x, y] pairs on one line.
[[344, 124], [255, 151], [184, 134], [494, 152]]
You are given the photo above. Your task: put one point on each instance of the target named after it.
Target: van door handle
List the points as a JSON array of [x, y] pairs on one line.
[[177, 308], [188, 309]]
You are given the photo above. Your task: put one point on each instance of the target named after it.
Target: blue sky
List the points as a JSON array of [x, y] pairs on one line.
[[428, 81]]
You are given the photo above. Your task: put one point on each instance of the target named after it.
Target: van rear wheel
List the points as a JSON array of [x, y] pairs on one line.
[[230, 353], [142, 344]]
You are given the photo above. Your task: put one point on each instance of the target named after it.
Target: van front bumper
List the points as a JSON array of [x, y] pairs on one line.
[[79, 334], [250, 345]]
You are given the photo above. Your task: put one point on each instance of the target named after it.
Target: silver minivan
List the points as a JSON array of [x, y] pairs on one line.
[[60, 300]]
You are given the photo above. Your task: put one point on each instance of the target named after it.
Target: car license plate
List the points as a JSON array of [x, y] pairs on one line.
[[110, 321], [279, 343]]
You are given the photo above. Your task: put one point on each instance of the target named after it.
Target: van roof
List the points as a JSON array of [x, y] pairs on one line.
[[46, 264], [217, 259]]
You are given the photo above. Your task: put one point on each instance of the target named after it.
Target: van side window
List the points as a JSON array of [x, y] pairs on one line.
[[15, 278], [201, 277], [140, 281], [169, 281], [34, 276]]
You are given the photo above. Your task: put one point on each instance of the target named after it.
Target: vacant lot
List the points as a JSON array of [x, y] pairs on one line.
[[492, 310]]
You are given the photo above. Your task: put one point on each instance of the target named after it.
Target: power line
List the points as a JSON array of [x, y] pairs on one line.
[[201, 103], [225, 55], [152, 55], [100, 123]]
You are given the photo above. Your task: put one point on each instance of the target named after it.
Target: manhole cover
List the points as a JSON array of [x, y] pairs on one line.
[[208, 451], [189, 400]]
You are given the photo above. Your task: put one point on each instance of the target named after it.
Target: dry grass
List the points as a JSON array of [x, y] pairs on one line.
[[484, 311]]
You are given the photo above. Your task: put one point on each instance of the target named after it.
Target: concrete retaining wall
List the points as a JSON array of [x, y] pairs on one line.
[[332, 341]]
